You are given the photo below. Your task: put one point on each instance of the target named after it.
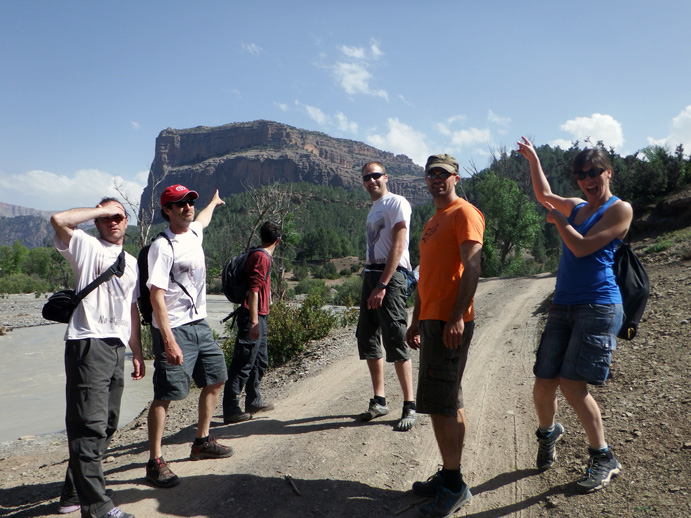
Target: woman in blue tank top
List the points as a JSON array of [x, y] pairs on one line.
[[586, 314]]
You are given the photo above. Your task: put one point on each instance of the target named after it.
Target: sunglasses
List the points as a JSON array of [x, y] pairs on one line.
[[372, 176], [594, 172], [436, 173], [181, 204]]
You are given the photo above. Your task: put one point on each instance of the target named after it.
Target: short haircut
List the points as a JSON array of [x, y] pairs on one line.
[[164, 215], [373, 162], [269, 232]]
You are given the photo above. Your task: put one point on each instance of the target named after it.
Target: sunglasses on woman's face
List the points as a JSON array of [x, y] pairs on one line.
[[594, 172]]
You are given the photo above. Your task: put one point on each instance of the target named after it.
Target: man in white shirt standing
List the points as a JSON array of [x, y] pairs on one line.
[[383, 314], [183, 343], [100, 326]]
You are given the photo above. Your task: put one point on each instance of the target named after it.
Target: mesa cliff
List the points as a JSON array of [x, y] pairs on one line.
[[241, 156]]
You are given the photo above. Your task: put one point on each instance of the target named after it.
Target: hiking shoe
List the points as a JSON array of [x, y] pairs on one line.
[[374, 410], [445, 502], [408, 419], [211, 449], [546, 454], [602, 466], [237, 417], [260, 407], [159, 474], [429, 487], [70, 504], [116, 512]]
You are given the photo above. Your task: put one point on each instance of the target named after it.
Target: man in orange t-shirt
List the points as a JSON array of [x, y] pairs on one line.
[[442, 326]]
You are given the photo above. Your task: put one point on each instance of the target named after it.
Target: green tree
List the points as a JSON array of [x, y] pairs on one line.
[[511, 220]]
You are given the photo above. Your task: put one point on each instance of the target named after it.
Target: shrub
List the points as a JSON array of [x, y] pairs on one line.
[[312, 287], [292, 327], [348, 293], [22, 283]]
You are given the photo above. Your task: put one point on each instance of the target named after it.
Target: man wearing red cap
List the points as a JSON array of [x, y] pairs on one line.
[[183, 343]]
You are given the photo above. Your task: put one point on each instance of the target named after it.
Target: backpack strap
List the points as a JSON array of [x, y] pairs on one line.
[[117, 269], [172, 277]]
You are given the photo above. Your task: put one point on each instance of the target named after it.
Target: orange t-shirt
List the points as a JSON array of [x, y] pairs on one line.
[[440, 258]]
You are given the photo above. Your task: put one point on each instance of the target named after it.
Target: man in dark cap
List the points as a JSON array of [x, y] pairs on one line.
[[442, 327]]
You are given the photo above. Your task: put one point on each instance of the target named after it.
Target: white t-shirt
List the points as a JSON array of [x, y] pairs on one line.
[[189, 269], [105, 312], [384, 214]]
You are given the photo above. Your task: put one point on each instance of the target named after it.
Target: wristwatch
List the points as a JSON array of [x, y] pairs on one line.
[[382, 285]]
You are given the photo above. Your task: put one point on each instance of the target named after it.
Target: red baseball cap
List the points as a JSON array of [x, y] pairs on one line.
[[176, 193]]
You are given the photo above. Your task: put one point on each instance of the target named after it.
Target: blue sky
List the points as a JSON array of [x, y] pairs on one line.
[[87, 86]]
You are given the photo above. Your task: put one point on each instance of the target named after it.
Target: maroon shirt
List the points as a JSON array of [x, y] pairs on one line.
[[257, 268]]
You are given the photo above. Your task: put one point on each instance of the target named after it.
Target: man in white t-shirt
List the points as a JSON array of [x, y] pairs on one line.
[[183, 343], [383, 313], [101, 325]]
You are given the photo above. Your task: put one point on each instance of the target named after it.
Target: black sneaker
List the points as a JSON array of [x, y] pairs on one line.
[[445, 502], [546, 453], [374, 410], [602, 466], [211, 449], [430, 486], [159, 474], [70, 504]]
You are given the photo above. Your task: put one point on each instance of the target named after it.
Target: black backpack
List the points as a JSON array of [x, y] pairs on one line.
[[144, 300], [634, 286], [234, 280]]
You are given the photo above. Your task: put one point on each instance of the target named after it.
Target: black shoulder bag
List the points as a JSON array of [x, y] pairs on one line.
[[61, 305]]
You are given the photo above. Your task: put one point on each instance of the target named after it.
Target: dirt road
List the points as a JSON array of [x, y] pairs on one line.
[[311, 457]]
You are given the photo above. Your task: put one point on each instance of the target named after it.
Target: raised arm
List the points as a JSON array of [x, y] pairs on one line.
[[204, 216], [66, 221], [541, 187]]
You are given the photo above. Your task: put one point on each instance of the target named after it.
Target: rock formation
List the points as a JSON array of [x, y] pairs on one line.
[[241, 156]]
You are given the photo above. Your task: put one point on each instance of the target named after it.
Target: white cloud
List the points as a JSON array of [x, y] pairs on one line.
[[135, 125], [596, 127], [680, 132], [470, 137], [252, 48], [402, 139], [345, 125], [498, 119], [314, 113], [49, 191], [353, 52], [354, 75], [354, 78], [282, 106], [443, 127]]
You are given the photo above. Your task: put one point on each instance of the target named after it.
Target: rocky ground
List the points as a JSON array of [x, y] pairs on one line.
[[312, 458]]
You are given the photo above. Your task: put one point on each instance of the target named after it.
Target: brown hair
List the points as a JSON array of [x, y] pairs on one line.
[[373, 162], [596, 157]]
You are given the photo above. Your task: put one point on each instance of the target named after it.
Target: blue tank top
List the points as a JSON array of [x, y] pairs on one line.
[[589, 279]]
